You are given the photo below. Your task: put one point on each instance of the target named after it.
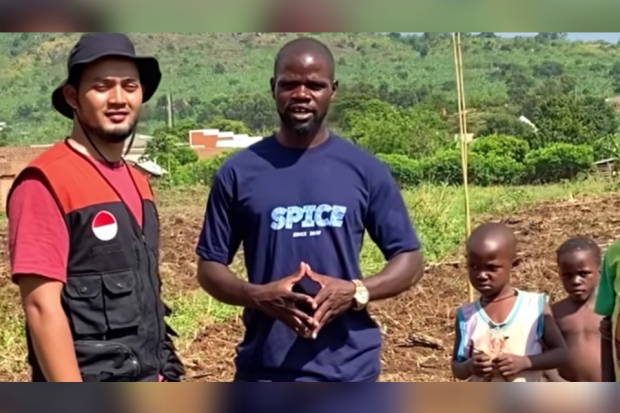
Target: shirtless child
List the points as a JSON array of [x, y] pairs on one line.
[[494, 340], [579, 260]]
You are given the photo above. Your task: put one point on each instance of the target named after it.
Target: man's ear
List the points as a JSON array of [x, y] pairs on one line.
[[70, 94], [517, 261], [272, 84], [335, 86]]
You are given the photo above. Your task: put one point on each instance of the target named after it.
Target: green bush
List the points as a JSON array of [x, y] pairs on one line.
[[185, 155], [406, 171], [502, 145], [165, 150], [505, 124], [605, 147], [196, 172], [495, 169], [185, 175], [494, 160], [204, 170], [559, 161], [445, 167]]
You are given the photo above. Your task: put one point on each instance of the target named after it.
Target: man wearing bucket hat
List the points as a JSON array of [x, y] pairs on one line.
[[83, 231]]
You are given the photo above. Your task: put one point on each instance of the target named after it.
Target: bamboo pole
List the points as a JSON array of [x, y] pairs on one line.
[[169, 109], [458, 65]]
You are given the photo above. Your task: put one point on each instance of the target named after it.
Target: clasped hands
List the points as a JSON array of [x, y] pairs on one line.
[[508, 365], [278, 300]]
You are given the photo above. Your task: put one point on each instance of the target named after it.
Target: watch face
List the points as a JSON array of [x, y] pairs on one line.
[[361, 296]]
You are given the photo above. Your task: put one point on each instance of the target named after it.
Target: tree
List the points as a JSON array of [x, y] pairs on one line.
[[227, 125], [501, 145], [615, 70], [256, 111], [549, 68], [381, 128], [564, 118], [219, 68], [505, 124], [519, 86], [166, 151], [180, 131], [549, 37], [424, 50], [25, 111], [556, 86], [558, 162]]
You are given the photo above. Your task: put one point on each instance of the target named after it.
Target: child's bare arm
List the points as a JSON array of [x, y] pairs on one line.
[[555, 354], [607, 361], [461, 370], [553, 376]]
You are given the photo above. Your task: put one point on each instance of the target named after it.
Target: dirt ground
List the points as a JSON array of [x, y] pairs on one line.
[[426, 314], [418, 326]]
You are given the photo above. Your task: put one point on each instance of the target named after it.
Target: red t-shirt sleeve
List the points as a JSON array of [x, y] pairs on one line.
[[38, 234]]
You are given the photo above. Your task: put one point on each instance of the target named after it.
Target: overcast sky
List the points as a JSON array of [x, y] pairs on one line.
[[609, 37]]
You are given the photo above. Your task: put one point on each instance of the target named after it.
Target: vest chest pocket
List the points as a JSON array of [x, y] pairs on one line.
[[100, 303]]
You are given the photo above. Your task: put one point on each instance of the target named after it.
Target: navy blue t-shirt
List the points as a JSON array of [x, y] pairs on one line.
[[285, 206]]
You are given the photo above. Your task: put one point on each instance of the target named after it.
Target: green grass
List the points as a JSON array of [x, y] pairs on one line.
[[12, 333], [438, 214], [195, 310]]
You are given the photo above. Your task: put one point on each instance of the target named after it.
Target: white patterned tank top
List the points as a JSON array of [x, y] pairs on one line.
[[520, 334]]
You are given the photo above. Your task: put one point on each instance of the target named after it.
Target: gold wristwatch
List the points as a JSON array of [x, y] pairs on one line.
[[361, 296]]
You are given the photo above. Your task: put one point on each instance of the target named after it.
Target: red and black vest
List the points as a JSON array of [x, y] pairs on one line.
[[112, 294]]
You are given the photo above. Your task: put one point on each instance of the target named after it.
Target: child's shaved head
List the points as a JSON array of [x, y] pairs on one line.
[[491, 255], [495, 233], [580, 244]]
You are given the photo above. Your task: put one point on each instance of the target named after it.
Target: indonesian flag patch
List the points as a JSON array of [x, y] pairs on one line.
[[105, 226]]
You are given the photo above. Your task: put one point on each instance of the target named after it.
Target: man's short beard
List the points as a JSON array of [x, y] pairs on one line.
[[117, 135], [302, 130]]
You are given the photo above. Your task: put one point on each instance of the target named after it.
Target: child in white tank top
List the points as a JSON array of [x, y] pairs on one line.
[[507, 334], [520, 333]]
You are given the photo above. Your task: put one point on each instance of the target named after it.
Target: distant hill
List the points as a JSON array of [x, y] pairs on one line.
[[203, 70]]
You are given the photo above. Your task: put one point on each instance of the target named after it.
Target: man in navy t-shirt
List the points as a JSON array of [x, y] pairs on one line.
[[299, 203]]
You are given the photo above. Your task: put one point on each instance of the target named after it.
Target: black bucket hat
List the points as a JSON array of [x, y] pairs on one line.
[[94, 46]]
